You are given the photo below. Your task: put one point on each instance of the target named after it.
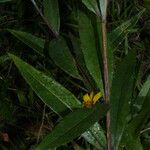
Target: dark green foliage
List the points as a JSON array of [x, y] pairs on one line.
[[51, 54]]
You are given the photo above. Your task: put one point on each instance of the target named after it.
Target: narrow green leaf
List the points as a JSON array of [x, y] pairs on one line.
[[131, 139], [32, 41], [52, 93], [103, 8], [92, 6], [121, 92], [117, 35], [61, 55], [140, 99], [89, 49], [96, 136], [137, 123], [130, 142], [51, 12], [73, 126]]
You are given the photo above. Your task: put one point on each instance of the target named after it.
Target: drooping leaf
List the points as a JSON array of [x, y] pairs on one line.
[[51, 92], [89, 49], [61, 55], [32, 41], [51, 12], [121, 92], [92, 6], [103, 8], [72, 126]]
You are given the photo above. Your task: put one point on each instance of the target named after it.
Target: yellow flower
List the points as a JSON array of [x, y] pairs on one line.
[[90, 100]]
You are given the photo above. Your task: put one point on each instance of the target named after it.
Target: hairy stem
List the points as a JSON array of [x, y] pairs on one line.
[[106, 83]]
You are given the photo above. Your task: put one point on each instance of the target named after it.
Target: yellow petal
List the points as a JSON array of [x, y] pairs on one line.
[[91, 95], [97, 97], [86, 98]]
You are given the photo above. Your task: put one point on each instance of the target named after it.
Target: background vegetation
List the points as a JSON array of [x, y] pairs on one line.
[[51, 54]]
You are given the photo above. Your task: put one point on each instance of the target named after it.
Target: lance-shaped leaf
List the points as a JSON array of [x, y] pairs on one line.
[[73, 126], [58, 50], [32, 41], [61, 55], [92, 6], [51, 92], [89, 49], [51, 12], [117, 35], [131, 138], [121, 92], [137, 123]]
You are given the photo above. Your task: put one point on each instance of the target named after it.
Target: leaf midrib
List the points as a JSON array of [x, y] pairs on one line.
[[46, 88]]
